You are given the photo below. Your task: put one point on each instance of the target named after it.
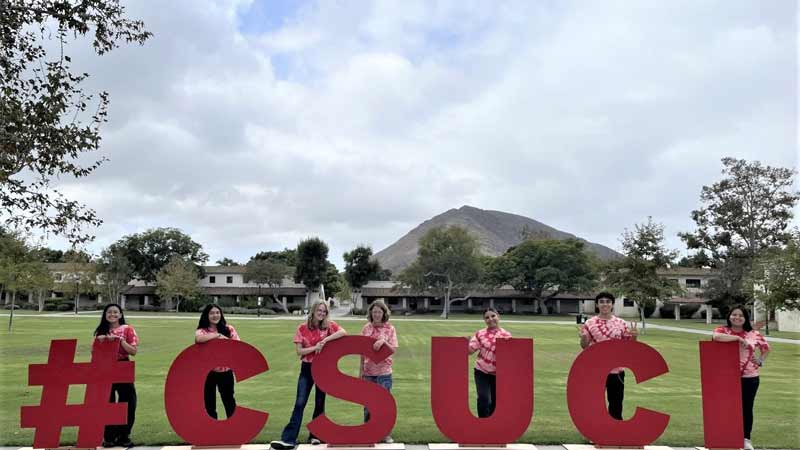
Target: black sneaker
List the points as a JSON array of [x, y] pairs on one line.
[[108, 444], [280, 445], [125, 442]]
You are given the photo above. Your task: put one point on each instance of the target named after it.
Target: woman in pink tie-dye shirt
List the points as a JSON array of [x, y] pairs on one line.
[[485, 343], [603, 327]]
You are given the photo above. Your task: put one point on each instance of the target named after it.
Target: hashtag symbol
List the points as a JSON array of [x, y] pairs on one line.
[[91, 417]]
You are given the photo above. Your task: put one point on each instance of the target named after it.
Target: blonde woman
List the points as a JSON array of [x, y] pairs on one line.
[[379, 328], [310, 339]]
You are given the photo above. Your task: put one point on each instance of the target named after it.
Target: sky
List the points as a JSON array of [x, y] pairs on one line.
[[251, 125]]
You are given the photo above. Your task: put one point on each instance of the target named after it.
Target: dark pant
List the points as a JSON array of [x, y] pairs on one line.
[[384, 380], [749, 389], [304, 384], [486, 385], [222, 381], [615, 392], [122, 392]]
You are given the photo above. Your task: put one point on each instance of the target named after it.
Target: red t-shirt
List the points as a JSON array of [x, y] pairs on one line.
[[307, 337], [205, 331], [127, 333], [747, 364]]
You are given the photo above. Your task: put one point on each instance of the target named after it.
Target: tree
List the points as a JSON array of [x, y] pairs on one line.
[[312, 264], [286, 256], [48, 126], [448, 264], [227, 262], [698, 260], [332, 284], [114, 271], [774, 279], [80, 275], [745, 213], [178, 281], [20, 269], [263, 272], [150, 251], [545, 268], [359, 268], [635, 276]]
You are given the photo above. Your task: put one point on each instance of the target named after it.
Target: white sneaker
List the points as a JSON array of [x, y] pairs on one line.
[[748, 445], [315, 441], [280, 445], [388, 440]]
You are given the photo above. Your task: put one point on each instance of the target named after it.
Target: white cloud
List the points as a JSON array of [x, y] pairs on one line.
[[355, 122]]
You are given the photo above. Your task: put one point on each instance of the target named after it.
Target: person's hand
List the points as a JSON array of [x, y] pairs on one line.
[[221, 336], [759, 325], [320, 345], [633, 331], [378, 344]]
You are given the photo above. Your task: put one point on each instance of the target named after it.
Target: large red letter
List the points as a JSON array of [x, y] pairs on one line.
[[721, 384], [183, 393], [586, 396], [379, 401], [449, 391]]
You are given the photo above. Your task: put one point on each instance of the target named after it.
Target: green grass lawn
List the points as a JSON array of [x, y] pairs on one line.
[[677, 393]]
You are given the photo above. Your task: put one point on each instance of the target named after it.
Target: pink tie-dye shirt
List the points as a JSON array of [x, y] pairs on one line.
[[485, 341], [747, 363], [387, 333], [234, 336], [599, 330]]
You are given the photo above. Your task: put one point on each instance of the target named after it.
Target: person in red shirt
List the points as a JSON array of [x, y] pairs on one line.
[[212, 326], [310, 339], [112, 327], [739, 329], [379, 328], [484, 342], [603, 327]]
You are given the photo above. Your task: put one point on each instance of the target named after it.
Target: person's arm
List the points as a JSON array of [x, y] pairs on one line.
[[632, 333], [474, 344], [333, 336], [305, 351], [203, 338], [583, 334], [722, 337]]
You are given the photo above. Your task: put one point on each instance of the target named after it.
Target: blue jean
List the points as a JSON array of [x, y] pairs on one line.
[[304, 384], [384, 380]]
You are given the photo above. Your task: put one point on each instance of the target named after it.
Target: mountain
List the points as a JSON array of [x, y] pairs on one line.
[[496, 231]]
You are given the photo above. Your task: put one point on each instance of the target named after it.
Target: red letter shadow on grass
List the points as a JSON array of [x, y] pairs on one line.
[[449, 392], [586, 396], [183, 393]]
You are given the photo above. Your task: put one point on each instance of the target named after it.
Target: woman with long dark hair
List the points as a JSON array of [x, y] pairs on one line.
[[112, 327], [309, 340], [212, 326], [739, 329]]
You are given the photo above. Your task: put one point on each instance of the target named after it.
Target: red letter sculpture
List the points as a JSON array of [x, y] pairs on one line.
[[183, 393], [95, 413], [449, 392], [586, 397], [379, 401], [721, 383]]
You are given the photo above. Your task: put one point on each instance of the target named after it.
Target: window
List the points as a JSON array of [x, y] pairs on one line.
[[59, 276], [692, 283], [212, 279], [229, 280], [436, 302], [627, 302]]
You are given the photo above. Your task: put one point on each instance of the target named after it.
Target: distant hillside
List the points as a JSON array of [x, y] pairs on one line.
[[496, 231]]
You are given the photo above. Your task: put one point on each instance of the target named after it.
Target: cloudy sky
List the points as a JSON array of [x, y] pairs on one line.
[[253, 124]]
